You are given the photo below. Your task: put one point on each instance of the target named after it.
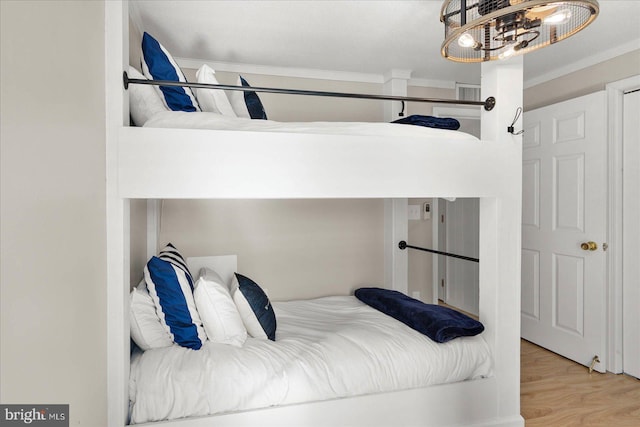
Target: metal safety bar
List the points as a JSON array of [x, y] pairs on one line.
[[403, 245], [488, 104]]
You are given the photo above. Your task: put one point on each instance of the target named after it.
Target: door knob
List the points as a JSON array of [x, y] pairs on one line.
[[589, 246]]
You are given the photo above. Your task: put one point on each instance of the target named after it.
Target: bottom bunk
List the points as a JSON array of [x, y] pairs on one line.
[[328, 356], [327, 348]]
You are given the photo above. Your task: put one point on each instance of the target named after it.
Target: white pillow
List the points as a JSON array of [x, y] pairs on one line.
[[144, 101], [218, 312], [146, 330], [212, 100]]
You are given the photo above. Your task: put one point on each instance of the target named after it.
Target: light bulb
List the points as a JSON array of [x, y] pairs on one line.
[[507, 53], [559, 17], [466, 40]]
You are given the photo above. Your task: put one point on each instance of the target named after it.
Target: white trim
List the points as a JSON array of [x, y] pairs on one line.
[[402, 408], [117, 215], [583, 63], [615, 92], [396, 261], [501, 234], [435, 231]]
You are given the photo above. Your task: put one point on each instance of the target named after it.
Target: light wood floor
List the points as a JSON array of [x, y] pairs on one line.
[[555, 391]]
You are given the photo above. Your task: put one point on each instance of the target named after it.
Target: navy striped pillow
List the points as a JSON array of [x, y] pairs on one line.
[[170, 254], [158, 64], [171, 286]]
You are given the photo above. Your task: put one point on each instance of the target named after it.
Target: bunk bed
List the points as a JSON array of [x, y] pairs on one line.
[[155, 163]]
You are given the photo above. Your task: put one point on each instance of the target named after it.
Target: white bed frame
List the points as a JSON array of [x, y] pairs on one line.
[[329, 166]]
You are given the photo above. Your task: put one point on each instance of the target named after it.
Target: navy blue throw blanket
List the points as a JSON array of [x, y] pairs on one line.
[[439, 323], [430, 122]]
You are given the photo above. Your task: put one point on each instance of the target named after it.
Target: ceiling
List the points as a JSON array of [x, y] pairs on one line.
[[365, 37]]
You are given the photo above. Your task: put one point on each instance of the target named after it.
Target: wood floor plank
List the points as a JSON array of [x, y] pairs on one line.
[[555, 391]]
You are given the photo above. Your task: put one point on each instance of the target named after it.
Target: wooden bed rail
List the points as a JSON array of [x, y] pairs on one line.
[[488, 104]]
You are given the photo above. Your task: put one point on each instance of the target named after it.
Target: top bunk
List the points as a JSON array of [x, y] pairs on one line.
[[205, 153], [201, 163]]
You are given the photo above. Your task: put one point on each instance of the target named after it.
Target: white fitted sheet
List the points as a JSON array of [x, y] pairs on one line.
[[205, 120], [325, 348]]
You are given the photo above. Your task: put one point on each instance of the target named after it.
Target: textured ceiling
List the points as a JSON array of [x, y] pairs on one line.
[[371, 37]]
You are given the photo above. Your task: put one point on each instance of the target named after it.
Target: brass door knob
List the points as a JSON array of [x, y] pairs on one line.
[[589, 246]]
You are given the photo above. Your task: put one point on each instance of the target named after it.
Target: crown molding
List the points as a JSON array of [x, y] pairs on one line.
[[583, 63]]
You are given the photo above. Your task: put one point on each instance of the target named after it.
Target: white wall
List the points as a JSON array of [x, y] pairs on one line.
[[298, 108], [52, 210], [295, 249]]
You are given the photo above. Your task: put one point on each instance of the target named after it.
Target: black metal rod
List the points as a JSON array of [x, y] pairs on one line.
[[403, 245], [488, 104], [463, 13]]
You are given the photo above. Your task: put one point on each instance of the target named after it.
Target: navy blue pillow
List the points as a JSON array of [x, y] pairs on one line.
[[247, 104], [158, 64], [254, 308], [171, 287]]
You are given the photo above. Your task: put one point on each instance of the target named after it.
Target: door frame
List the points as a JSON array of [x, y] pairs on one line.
[[459, 113], [615, 92], [437, 233]]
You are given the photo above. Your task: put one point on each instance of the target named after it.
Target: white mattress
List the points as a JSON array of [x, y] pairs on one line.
[[325, 348], [204, 120]]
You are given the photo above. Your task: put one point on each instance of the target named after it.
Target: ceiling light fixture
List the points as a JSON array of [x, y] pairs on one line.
[[485, 30]]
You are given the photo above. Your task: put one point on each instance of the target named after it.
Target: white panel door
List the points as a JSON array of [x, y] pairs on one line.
[[631, 235], [564, 206]]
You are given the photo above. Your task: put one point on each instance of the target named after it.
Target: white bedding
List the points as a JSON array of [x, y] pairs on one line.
[[325, 348], [204, 120]]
